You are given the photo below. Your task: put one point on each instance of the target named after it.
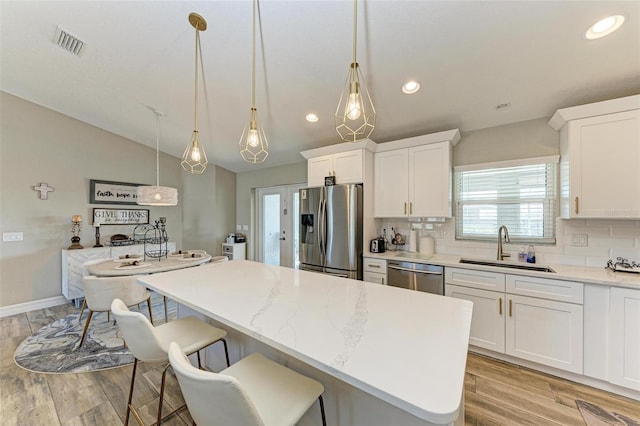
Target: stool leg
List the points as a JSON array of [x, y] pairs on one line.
[[166, 315], [149, 306], [133, 379], [84, 305], [324, 420], [226, 352], [86, 327], [164, 377]]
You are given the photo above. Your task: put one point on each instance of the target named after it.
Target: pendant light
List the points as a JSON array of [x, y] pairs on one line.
[[157, 195], [355, 117], [194, 159], [254, 147]]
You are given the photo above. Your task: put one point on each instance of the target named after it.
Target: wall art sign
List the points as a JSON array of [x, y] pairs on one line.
[[107, 192], [120, 216]]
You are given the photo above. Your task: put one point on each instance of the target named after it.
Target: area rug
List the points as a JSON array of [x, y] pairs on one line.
[[54, 348], [594, 415]]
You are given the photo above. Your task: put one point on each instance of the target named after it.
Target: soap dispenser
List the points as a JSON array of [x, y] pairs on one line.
[[531, 255]]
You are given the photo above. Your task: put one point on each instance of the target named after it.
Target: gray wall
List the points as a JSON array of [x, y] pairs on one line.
[[210, 212], [246, 183], [40, 145]]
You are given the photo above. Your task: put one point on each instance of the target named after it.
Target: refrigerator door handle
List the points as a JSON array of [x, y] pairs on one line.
[[321, 229]]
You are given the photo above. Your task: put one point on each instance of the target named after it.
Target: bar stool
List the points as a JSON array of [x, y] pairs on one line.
[[150, 344], [253, 391]]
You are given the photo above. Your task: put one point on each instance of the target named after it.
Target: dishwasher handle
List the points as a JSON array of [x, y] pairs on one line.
[[418, 271]]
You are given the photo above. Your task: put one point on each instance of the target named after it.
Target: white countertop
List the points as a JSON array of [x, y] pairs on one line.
[[406, 348], [583, 274]]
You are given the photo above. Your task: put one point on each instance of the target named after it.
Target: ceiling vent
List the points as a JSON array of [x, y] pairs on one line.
[[68, 42]]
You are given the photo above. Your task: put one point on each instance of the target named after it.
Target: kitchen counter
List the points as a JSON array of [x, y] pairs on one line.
[[408, 349], [582, 274]]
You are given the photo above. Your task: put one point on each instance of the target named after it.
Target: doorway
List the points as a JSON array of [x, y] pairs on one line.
[[278, 233]]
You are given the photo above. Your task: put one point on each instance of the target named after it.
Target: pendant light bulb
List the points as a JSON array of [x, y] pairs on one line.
[[353, 110], [253, 139]]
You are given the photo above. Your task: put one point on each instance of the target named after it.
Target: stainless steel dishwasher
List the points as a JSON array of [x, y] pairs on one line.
[[416, 276]]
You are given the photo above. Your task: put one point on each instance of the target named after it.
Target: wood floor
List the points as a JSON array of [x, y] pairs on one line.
[[496, 393]]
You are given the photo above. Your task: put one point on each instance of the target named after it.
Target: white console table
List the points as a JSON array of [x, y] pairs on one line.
[[72, 261]]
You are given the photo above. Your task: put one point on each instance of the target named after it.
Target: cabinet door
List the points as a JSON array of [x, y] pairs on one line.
[[487, 323], [374, 277], [545, 331], [348, 166], [318, 168], [430, 180], [624, 355], [391, 183], [604, 161]]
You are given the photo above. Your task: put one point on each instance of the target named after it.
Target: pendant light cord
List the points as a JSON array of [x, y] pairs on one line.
[[355, 28], [195, 102], [253, 66], [157, 147]]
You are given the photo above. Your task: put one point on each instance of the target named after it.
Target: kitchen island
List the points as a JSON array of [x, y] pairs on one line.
[[384, 354]]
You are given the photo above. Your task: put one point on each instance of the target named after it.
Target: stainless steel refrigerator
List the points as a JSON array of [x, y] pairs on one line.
[[331, 230]]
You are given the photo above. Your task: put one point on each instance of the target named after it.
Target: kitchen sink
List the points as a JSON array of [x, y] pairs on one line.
[[512, 265]]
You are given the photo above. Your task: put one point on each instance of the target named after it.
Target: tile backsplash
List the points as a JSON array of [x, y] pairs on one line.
[[580, 242]]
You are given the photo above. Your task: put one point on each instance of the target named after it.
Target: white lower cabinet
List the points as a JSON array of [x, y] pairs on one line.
[[487, 323], [375, 270], [624, 348], [537, 329]]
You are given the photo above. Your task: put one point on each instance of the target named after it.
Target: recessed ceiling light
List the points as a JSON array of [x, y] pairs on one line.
[[604, 27], [311, 118], [504, 106], [410, 87]]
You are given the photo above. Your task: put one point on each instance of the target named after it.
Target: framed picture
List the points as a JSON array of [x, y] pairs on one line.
[[107, 192], [120, 216]]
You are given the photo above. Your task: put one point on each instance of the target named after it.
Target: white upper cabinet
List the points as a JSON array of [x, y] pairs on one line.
[[344, 161], [600, 159], [412, 177], [345, 166]]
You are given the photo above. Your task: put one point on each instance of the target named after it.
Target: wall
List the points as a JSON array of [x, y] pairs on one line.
[[534, 138], [40, 145], [246, 183], [210, 212]]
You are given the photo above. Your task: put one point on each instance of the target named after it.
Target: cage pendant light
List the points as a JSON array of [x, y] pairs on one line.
[[254, 147], [355, 117], [194, 159], [157, 195]]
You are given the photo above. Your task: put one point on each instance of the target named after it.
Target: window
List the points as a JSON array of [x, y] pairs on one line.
[[520, 195]]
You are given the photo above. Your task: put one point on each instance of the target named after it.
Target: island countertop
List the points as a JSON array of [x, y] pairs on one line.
[[406, 348]]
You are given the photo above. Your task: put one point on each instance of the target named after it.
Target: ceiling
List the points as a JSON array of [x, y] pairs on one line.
[[469, 57]]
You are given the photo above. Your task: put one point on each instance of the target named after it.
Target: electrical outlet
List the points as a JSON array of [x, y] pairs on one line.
[[12, 236], [580, 240], [245, 227], [238, 227]]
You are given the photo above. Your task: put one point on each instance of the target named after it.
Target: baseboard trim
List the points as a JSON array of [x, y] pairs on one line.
[[21, 308]]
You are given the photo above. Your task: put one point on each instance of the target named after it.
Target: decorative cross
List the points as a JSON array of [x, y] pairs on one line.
[[44, 189]]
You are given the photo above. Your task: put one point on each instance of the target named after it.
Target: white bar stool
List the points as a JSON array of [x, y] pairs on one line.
[[253, 391], [150, 344]]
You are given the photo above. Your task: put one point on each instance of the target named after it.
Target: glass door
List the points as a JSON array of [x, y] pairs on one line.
[[278, 233]]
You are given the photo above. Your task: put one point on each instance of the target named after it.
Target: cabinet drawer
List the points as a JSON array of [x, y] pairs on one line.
[[544, 288], [493, 281], [375, 277], [375, 265]]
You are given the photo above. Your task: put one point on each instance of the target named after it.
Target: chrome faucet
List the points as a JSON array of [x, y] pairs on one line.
[[501, 254]]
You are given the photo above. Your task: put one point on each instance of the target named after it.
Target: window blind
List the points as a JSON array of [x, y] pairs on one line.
[[521, 197]]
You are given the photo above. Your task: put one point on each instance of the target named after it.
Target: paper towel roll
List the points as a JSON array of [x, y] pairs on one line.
[[412, 241], [427, 245]]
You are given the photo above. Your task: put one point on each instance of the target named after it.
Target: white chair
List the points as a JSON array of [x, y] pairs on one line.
[[150, 344], [100, 292], [253, 391], [84, 271]]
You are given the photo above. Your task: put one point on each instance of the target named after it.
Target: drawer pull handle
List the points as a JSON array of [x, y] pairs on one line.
[[372, 265], [405, 208], [500, 306], [510, 307], [410, 207], [577, 209]]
